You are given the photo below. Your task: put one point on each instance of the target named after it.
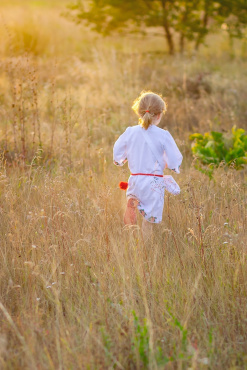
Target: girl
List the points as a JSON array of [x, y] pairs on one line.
[[148, 150]]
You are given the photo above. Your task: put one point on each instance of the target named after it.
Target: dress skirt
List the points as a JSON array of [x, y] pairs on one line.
[[150, 192]]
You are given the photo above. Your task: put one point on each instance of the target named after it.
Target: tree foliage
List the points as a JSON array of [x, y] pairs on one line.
[[192, 20], [234, 14]]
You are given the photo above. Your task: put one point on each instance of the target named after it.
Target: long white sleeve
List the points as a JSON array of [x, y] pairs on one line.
[[172, 156], [120, 149]]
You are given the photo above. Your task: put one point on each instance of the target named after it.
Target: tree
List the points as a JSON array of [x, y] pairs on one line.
[[191, 23], [233, 13], [188, 18], [107, 16], [208, 7]]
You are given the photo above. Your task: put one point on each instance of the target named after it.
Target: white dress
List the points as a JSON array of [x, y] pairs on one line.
[[148, 190]]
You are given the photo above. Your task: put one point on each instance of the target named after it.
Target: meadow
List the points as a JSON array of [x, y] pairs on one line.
[[78, 290]]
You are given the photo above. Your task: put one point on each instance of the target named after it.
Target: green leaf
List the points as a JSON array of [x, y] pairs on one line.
[[217, 136], [215, 148], [195, 136]]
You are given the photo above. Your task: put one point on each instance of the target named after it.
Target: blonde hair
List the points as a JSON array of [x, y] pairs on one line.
[[147, 106]]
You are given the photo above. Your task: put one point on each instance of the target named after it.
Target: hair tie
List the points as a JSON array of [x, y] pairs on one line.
[[147, 111]]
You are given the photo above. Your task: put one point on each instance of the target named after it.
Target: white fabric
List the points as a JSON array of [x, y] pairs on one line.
[[170, 185], [149, 190]]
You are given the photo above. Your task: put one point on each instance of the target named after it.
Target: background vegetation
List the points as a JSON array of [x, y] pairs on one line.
[[190, 20], [77, 289]]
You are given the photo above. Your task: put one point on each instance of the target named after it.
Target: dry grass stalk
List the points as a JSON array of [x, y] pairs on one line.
[[77, 288]]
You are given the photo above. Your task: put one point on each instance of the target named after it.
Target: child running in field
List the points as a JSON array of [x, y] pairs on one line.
[[148, 150]]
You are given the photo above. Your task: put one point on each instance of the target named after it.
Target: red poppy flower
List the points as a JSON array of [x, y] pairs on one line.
[[123, 185]]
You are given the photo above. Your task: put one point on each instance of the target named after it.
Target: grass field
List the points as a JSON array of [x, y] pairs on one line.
[[78, 290]]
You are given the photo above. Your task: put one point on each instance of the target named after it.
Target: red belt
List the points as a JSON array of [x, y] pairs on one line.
[[146, 174]]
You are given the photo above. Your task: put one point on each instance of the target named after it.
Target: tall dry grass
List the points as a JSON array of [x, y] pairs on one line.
[[72, 275], [77, 289]]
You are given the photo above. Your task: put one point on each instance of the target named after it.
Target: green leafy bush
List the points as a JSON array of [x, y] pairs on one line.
[[214, 148]]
